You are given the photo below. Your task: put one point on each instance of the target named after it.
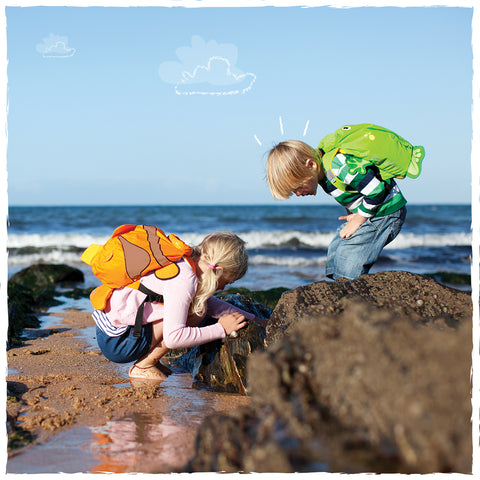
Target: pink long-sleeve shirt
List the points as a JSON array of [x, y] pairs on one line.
[[178, 330]]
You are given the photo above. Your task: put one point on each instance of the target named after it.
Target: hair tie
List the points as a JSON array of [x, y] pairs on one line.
[[212, 266]]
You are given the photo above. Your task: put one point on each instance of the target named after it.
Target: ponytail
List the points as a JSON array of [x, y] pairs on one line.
[[225, 254]]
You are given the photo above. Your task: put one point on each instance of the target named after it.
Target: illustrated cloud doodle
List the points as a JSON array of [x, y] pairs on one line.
[[206, 68], [55, 46]]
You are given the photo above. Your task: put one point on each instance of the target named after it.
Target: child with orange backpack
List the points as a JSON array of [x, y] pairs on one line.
[[166, 303]]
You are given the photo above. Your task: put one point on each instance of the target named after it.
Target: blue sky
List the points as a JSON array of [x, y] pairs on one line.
[[173, 105]]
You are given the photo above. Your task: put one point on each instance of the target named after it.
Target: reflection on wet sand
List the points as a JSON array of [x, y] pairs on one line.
[[123, 445], [160, 441]]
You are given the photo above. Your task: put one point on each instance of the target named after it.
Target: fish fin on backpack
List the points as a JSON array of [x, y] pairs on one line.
[[99, 297], [89, 253], [415, 166]]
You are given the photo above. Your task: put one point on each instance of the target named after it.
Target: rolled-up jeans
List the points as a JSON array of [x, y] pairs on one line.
[[354, 256]]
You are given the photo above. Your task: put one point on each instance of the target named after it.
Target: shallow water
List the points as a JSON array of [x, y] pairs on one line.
[[160, 441], [157, 442]]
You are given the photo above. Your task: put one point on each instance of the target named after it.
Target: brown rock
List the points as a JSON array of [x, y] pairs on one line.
[[357, 377], [416, 296]]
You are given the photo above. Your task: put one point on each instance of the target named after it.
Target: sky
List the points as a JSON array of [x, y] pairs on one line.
[[174, 105], [179, 103]]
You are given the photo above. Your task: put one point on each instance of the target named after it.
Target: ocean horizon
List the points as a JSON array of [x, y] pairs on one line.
[[287, 244], [292, 202]]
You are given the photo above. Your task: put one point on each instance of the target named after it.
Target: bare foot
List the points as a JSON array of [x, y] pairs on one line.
[[146, 373]]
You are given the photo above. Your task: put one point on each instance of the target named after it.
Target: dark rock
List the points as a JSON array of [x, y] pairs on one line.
[[249, 304], [221, 365], [451, 278], [239, 442], [17, 437], [378, 380], [31, 289], [44, 276], [269, 297], [77, 293], [21, 313]]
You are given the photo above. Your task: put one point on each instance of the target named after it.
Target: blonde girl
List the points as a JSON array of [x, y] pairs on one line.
[[220, 259]]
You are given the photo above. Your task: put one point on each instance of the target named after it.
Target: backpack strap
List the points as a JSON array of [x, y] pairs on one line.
[[151, 296], [326, 162]]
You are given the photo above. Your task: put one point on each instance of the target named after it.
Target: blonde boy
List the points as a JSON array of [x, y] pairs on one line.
[[375, 207]]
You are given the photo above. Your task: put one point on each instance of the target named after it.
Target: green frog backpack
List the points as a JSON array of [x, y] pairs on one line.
[[371, 144]]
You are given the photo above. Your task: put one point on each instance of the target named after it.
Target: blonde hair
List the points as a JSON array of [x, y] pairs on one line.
[[286, 167], [228, 254]]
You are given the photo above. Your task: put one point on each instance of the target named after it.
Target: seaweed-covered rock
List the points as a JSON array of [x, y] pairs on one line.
[[31, 289], [452, 279], [269, 297], [378, 380], [41, 279], [21, 313], [221, 365]]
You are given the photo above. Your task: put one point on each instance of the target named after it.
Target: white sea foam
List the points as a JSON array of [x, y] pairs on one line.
[[254, 239], [410, 240], [36, 240], [288, 261], [54, 256]]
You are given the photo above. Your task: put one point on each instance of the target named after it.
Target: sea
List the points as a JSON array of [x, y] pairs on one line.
[[287, 244]]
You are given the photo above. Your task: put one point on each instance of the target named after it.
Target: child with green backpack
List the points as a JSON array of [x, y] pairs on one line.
[[356, 165]]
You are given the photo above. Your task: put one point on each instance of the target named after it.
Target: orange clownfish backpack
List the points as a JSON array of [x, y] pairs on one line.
[[130, 253]]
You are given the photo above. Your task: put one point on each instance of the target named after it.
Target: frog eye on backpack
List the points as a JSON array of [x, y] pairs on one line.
[[346, 127]]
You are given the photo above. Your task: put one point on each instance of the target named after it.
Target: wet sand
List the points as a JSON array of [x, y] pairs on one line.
[[85, 416]]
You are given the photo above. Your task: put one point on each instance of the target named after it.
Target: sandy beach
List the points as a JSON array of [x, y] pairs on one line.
[[63, 391]]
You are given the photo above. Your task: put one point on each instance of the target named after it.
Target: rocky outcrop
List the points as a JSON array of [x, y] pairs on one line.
[[414, 296], [42, 278], [34, 288], [371, 375]]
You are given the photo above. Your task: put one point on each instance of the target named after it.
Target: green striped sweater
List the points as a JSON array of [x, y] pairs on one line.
[[366, 194]]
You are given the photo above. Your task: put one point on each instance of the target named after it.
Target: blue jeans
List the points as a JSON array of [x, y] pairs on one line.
[[125, 348], [354, 256]]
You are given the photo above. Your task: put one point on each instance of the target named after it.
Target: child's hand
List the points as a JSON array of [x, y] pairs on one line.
[[354, 221], [232, 322]]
